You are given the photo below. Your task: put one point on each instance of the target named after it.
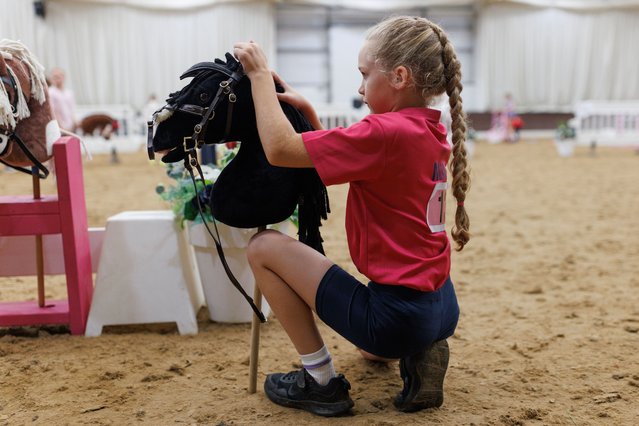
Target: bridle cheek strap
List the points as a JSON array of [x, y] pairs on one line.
[[4, 143], [199, 130], [226, 88], [38, 168], [207, 114]]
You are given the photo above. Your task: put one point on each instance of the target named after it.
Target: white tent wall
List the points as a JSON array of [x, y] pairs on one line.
[[19, 22], [120, 54], [124, 54], [548, 53], [549, 58]]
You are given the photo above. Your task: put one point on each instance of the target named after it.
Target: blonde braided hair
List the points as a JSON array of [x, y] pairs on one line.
[[424, 49]]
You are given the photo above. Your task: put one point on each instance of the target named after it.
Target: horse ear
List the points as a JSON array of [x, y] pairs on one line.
[[200, 66], [217, 66], [230, 59]]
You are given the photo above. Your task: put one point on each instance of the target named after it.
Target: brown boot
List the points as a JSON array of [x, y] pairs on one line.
[[423, 374]]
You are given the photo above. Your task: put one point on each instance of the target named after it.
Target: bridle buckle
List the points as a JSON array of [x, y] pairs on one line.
[[185, 145]]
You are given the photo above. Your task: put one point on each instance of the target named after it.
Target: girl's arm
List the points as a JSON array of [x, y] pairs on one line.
[[282, 145]]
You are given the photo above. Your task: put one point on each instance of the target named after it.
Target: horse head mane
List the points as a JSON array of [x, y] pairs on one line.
[[16, 51]]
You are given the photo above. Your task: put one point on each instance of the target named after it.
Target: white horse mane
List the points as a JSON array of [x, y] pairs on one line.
[[10, 49]]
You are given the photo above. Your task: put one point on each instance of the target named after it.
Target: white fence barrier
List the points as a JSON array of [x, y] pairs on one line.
[[130, 135], [338, 116], [607, 123]]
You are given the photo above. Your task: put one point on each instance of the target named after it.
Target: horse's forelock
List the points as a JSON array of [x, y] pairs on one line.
[[9, 116], [6, 113], [28, 74], [35, 71]]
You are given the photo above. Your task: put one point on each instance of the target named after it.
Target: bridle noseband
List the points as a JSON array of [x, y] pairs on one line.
[[189, 144]]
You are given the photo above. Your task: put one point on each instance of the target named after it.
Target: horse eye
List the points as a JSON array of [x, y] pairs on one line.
[[204, 97]]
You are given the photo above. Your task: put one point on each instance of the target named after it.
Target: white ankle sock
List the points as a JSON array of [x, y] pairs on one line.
[[319, 365]]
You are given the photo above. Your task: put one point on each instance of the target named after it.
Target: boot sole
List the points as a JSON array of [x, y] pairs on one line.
[[426, 388]]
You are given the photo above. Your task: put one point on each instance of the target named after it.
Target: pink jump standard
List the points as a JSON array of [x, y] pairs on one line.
[[63, 214]]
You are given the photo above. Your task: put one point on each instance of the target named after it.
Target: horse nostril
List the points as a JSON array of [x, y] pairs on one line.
[[204, 97]]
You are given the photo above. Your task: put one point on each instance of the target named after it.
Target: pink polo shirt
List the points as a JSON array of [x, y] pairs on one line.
[[396, 166]]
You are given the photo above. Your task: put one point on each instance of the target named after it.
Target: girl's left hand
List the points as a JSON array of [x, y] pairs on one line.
[[252, 58], [290, 96]]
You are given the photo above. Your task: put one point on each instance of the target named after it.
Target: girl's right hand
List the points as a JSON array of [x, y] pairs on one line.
[[252, 58]]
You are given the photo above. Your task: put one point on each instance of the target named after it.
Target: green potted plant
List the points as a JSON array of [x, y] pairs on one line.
[[180, 194], [565, 131], [565, 139]]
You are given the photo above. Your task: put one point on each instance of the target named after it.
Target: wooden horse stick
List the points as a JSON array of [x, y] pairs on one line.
[[39, 252], [255, 336]]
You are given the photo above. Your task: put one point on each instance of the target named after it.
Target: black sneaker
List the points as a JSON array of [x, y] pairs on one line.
[[423, 375], [298, 389]]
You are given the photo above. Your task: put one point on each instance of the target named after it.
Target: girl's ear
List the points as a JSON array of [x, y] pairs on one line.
[[401, 77]]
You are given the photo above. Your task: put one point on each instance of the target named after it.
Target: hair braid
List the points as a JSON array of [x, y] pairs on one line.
[[424, 48], [459, 164]]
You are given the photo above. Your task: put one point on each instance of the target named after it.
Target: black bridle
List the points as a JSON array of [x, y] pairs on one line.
[[190, 143], [11, 135], [196, 141]]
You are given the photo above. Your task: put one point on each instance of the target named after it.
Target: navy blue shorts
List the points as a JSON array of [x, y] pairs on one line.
[[386, 320]]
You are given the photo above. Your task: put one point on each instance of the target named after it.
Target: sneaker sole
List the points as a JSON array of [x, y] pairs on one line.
[[325, 409], [426, 390]]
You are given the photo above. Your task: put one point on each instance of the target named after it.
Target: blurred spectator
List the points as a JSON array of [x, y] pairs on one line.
[[150, 107], [62, 100], [506, 124]]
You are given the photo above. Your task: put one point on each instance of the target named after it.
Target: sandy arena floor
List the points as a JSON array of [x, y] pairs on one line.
[[549, 332]]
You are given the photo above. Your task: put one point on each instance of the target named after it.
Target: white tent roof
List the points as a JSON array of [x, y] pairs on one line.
[[369, 4]]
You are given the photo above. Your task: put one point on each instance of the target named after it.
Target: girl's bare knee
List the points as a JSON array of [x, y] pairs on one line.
[[261, 243]]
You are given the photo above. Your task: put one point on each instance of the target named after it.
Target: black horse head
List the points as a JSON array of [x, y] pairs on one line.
[[216, 107]]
